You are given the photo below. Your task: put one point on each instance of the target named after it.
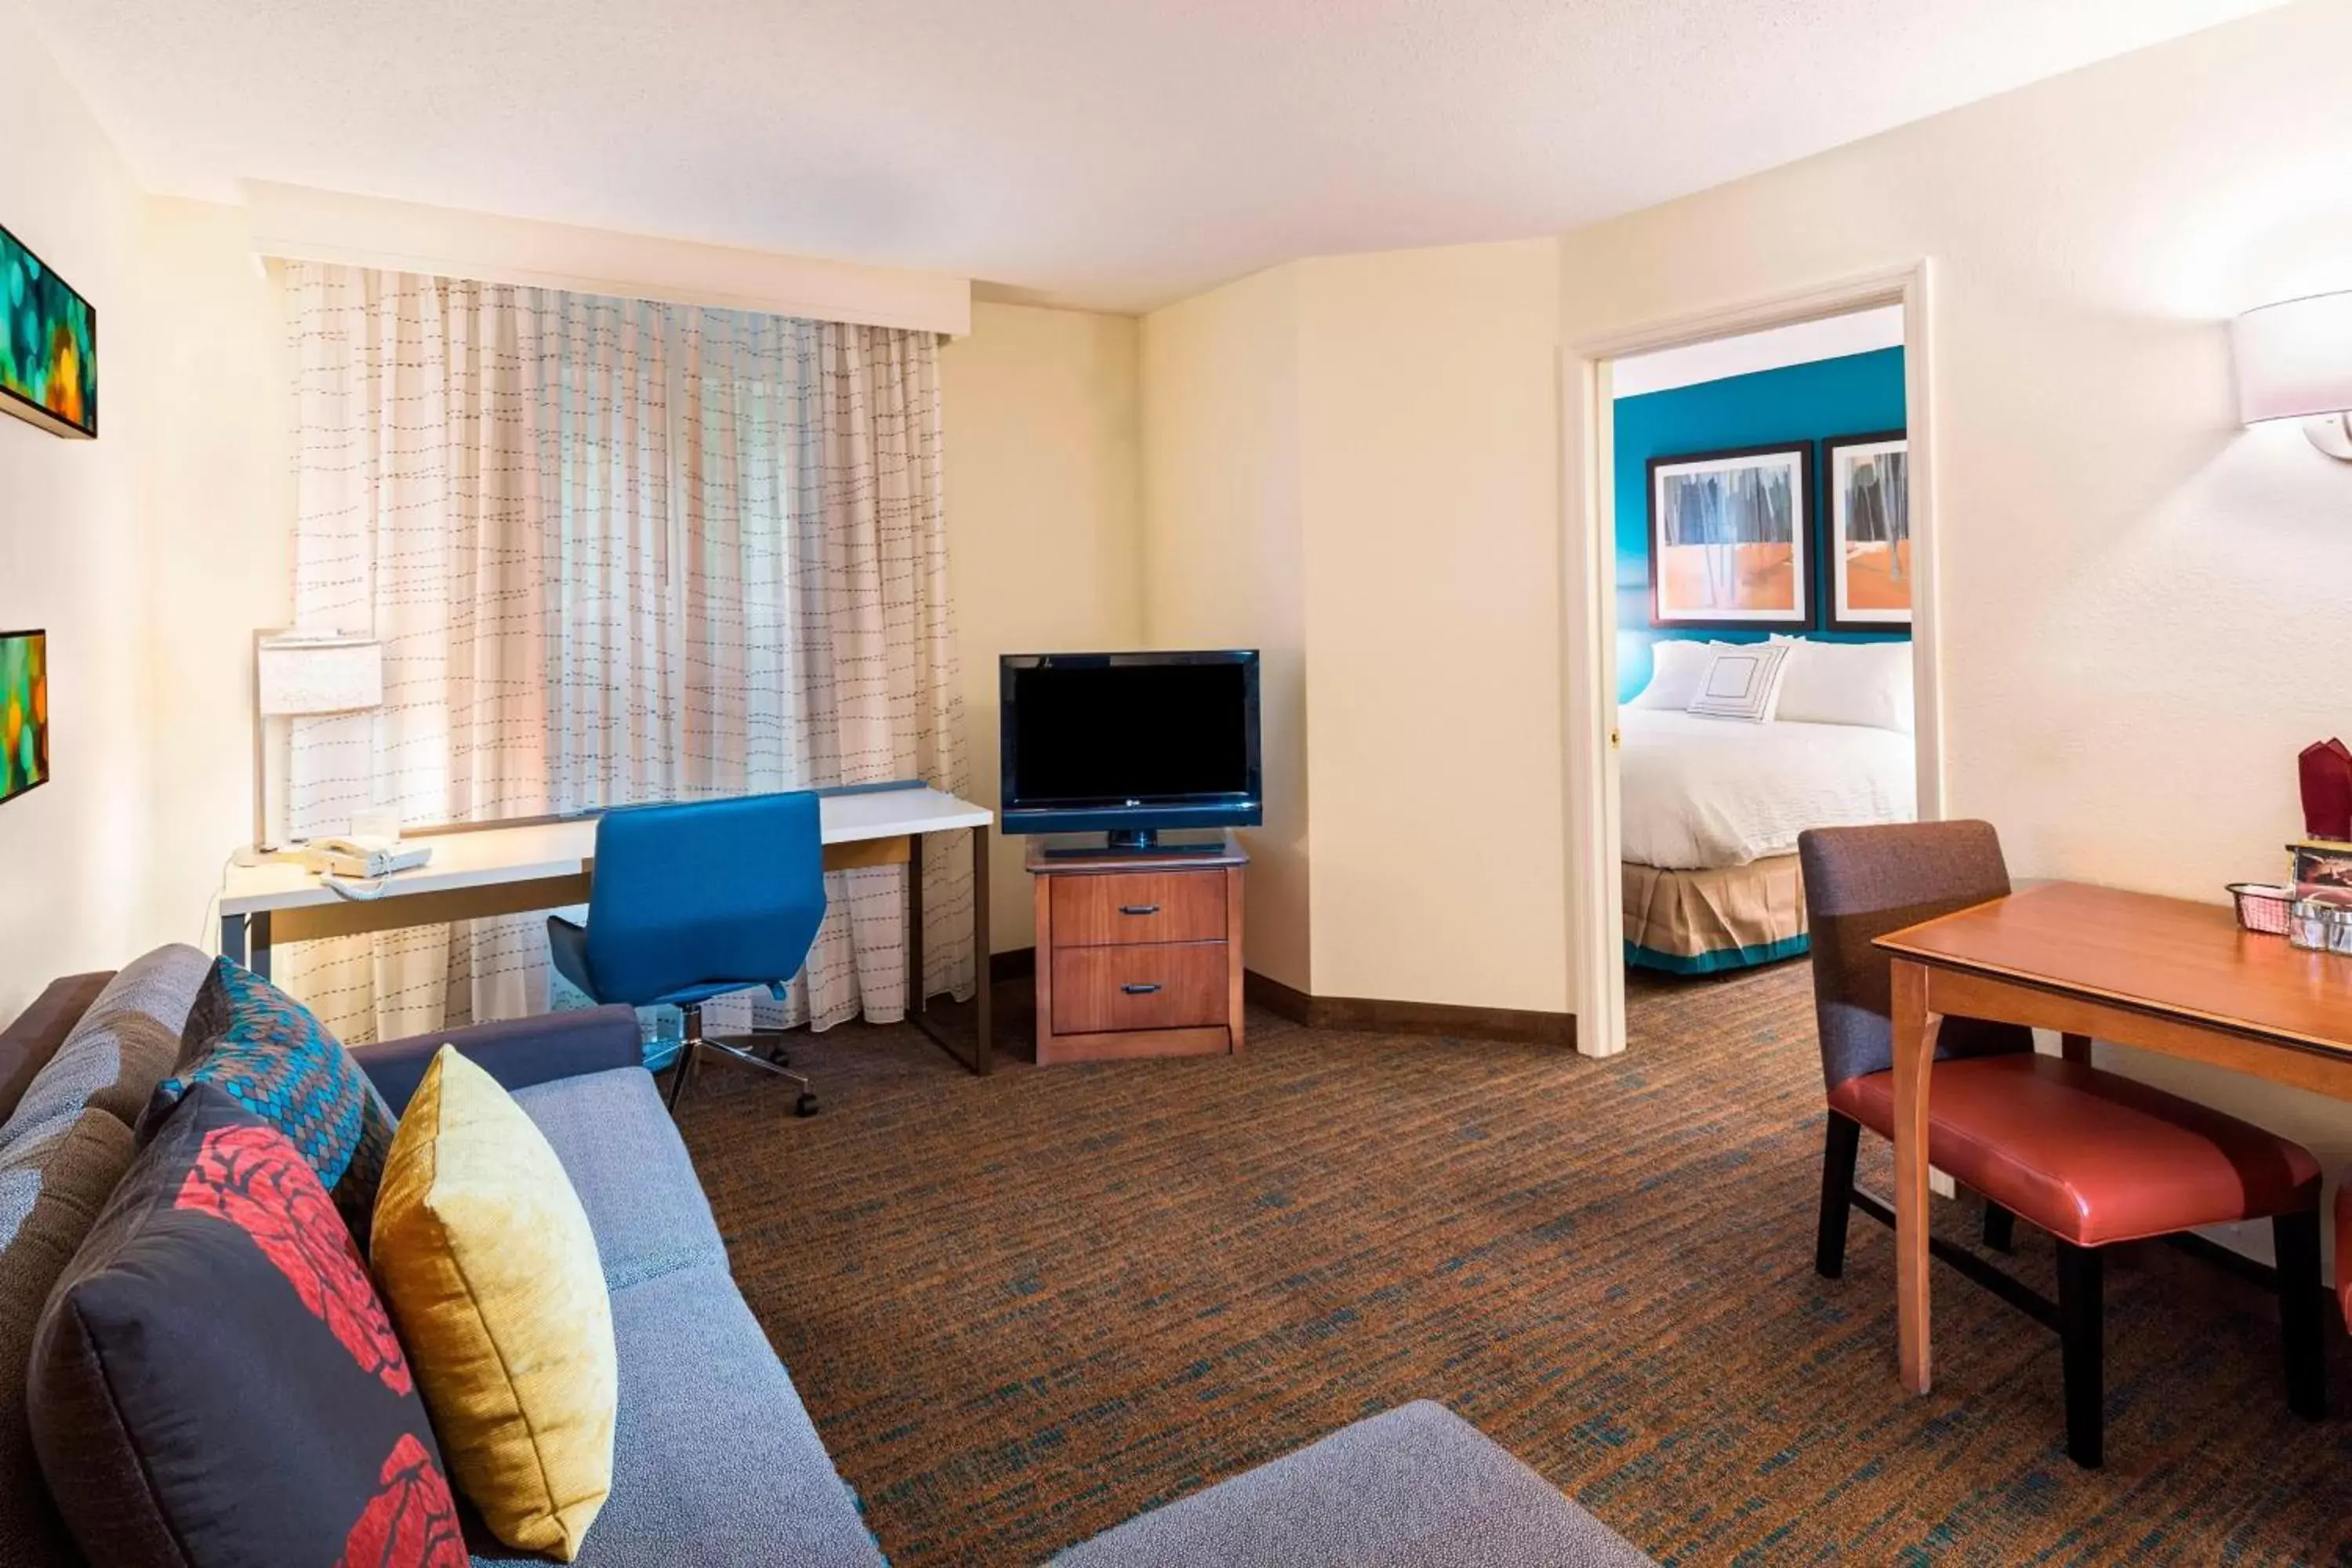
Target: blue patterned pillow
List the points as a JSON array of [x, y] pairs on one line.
[[251, 1039]]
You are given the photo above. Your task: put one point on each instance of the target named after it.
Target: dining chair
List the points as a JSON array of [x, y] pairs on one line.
[[2091, 1157], [691, 901]]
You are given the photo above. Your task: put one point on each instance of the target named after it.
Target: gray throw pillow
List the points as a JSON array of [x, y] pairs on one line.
[[54, 1180], [122, 1047]]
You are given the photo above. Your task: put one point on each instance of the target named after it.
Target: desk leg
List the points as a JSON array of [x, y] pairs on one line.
[[2075, 1048], [1915, 1029], [984, 987], [916, 1000], [236, 948], [983, 1059]]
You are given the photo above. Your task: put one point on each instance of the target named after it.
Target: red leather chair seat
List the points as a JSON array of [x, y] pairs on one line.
[[2092, 1156]]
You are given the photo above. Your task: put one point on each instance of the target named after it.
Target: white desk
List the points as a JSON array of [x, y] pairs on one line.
[[547, 863]]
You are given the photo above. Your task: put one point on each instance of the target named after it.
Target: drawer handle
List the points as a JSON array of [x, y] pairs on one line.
[[1139, 908], [1139, 990]]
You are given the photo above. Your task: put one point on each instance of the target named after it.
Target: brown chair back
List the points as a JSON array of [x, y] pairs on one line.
[[1860, 884]]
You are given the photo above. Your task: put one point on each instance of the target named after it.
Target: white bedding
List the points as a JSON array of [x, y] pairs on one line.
[[1700, 793]]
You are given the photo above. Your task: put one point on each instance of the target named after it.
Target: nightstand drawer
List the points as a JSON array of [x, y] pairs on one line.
[[1158, 985], [1138, 907]]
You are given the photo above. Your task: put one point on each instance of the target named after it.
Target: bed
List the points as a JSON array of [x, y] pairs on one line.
[[1709, 813]]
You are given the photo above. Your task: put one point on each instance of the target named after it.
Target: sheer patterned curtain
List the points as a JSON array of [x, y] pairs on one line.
[[617, 551]]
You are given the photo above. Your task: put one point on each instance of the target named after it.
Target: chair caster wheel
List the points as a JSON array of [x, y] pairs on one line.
[[805, 1105], [778, 1058]]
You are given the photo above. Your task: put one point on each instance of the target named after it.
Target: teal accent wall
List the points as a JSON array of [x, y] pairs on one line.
[[1852, 395]]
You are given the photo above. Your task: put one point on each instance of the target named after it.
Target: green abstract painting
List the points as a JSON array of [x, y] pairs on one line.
[[24, 712], [48, 345]]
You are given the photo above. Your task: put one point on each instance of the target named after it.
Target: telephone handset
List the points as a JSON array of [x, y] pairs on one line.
[[367, 859]]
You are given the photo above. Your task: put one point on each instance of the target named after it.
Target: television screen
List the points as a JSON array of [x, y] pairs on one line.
[[1170, 737], [24, 712]]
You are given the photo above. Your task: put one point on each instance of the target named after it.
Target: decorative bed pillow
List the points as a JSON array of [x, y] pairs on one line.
[[215, 1383], [1678, 667], [1866, 684], [1743, 682], [491, 1273], [277, 1061]]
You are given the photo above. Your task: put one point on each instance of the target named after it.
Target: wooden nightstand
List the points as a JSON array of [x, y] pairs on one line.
[[1139, 954]]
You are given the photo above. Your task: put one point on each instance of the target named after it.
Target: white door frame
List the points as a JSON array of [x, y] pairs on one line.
[[1596, 908]]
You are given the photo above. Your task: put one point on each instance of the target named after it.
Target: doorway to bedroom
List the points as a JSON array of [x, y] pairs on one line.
[[1763, 586]]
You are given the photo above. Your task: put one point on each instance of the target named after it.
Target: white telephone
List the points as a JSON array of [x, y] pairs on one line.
[[364, 856]]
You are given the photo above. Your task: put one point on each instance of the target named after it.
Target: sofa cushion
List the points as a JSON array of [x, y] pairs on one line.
[[517, 1052], [52, 1186], [27, 1043], [267, 1050], [1417, 1487], [215, 1381], [488, 1263], [714, 1459], [631, 1170], [124, 1044]]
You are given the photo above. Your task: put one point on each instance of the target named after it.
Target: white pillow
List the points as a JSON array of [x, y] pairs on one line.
[[1867, 683], [1676, 667], [1743, 682]]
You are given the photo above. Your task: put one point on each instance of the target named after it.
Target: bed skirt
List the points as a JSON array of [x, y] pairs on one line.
[[1703, 923]]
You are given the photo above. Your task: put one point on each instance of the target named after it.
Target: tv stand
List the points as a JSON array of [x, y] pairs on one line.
[[1136, 844], [1138, 950]]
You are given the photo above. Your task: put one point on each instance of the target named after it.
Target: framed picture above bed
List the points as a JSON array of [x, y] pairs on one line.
[[1868, 537], [1730, 538]]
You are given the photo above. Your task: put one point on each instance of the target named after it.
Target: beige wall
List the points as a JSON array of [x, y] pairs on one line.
[[2126, 574], [1429, 428], [1044, 520], [217, 509], [71, 850], [1351, 463], [1223, 555]]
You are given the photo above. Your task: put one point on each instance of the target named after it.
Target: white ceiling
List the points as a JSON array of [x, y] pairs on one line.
[[1114, 153]]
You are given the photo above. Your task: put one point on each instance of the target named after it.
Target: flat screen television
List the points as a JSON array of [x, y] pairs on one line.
[[1129, 744]]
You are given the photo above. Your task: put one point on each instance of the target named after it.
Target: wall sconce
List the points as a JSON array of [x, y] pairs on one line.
[[2294, 361]]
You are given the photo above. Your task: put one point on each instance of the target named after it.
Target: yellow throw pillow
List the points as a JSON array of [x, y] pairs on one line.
[[484, 1257]]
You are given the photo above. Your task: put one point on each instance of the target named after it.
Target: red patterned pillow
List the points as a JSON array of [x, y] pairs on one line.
[[215, 1381]]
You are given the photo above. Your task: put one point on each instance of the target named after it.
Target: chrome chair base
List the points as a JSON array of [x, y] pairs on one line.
[[770, 1061]]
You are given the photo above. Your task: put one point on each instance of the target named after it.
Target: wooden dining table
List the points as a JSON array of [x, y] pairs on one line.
[[2168, 975]]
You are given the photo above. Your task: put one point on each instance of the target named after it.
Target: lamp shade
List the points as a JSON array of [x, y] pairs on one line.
[[2294, 358], [302, 675]]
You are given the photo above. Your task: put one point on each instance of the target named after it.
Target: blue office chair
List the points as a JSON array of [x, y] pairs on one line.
[[691, 901]]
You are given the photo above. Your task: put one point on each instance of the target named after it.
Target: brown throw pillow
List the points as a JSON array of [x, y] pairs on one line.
[[214, 1382]]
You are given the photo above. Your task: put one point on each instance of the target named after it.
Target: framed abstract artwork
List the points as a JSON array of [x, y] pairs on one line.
[[1868, 537], [48, 345], [1730, 536], [24, 712]]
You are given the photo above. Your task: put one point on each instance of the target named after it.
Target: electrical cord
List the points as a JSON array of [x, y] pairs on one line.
[[208, 932]]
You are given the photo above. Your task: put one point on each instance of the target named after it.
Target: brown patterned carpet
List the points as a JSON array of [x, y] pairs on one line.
[[1022, 1309]]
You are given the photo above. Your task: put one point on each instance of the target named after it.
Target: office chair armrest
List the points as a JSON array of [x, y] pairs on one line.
[[517, 1052]]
